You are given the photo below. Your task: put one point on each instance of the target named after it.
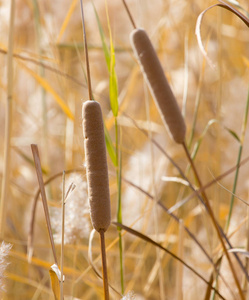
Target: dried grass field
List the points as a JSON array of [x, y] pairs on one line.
[[179, 209]]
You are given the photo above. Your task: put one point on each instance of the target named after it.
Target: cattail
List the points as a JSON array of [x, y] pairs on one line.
[[158, 84], [96, 165]]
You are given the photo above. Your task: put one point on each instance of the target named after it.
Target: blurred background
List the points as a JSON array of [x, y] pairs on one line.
[[49, 87]]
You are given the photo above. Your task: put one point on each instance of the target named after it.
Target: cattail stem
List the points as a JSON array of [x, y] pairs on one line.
[[217, 228], [62, 235], [129, 14], [86, 53], [97, 176], [104, 264]]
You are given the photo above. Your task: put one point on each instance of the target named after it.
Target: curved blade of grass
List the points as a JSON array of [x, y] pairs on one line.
[[236, 12], [45, 84], [55, 284], [237, 4], [149, 240], [199, 21], [233, 133]]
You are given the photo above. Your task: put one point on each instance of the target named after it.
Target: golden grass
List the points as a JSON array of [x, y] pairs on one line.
[[49, 87]]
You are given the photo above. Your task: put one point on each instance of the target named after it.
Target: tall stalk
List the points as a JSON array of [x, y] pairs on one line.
[[8, 122]]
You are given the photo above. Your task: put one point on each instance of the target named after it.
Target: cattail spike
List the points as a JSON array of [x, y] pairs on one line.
[[96, 165], [158, 84]]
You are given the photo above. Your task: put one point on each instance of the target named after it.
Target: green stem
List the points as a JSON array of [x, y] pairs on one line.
[[119, 210], [243, 131], [234, 188]]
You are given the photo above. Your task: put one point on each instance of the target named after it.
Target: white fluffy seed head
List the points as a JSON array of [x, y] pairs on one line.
[[158, 84], [96, 165]]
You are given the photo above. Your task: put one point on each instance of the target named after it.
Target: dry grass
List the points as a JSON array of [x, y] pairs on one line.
[[49, 87]]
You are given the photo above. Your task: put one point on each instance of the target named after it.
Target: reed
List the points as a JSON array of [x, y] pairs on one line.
[[97, 175], [158, 84]]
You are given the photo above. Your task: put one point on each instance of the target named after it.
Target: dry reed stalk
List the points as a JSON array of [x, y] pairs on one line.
[[97, 176], [8, 122], [37, 162], [158, 84]]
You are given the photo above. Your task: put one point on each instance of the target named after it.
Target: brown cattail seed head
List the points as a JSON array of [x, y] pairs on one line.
[[96, 165], [158, 84]]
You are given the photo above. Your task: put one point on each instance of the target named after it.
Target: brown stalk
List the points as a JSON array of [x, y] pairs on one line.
[[217, 227], [104, 265], [38, 169], [86, 53], [129, 14]]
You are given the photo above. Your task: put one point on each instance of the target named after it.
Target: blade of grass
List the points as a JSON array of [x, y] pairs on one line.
[[241, 139], [46, 85], [103, 41], [45, 66], [113, 94], [66, 20], [110, 147], [149, 240], [197, 103]]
